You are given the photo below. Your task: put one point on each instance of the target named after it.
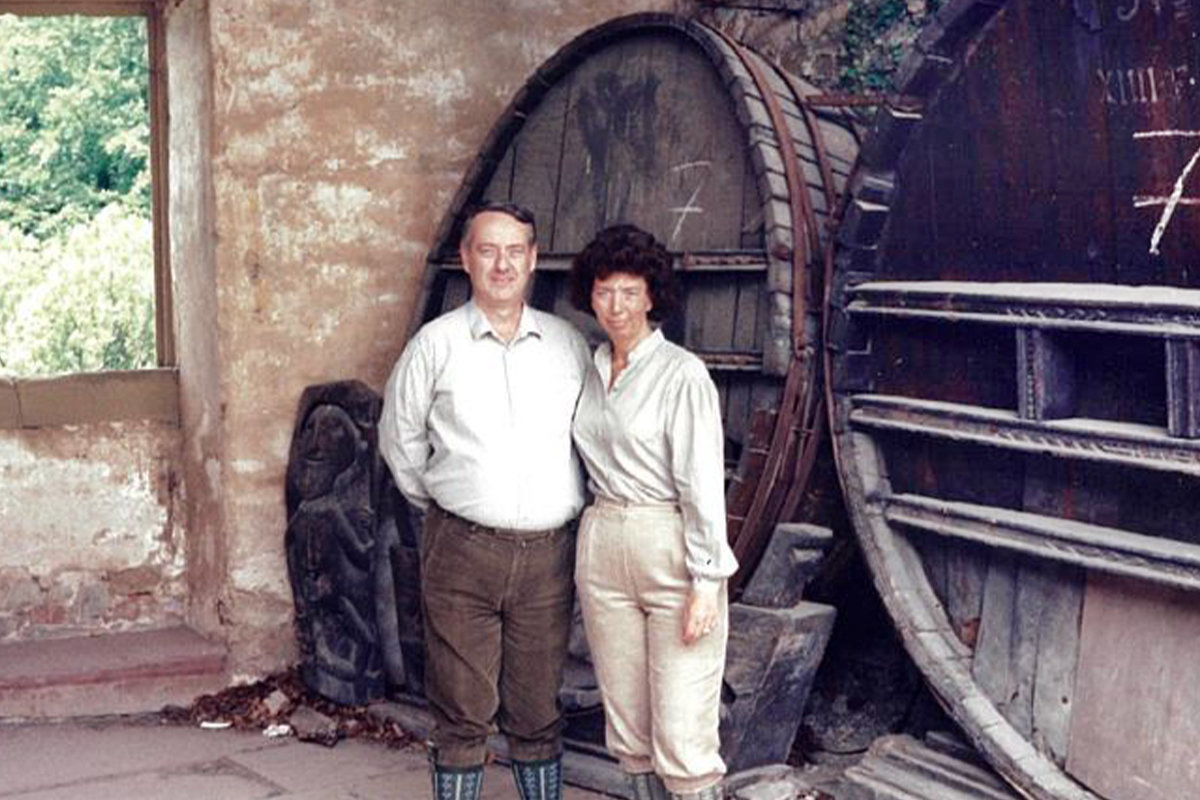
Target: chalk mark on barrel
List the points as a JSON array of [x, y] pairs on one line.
[[690, 206], [1176, 197], [1180, 9]]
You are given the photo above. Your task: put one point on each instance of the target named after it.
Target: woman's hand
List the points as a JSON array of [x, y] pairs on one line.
[[700, 611]]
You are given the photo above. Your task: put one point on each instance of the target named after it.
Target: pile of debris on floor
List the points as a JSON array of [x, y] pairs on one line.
[[281, 705]]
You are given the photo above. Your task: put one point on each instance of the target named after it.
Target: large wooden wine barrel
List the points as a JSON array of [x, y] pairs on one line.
[[667, 123], [1015, 377]]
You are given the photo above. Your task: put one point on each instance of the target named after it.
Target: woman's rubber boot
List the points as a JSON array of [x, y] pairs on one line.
[[714, 792], [647, 786]]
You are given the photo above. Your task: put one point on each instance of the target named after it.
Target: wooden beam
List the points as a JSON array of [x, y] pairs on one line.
[[164, 299], [1124, 443], [106, 8], [1045, 376], [82, 398], [1120, 552], [1159, 311], [717, 261], [1183, 388]]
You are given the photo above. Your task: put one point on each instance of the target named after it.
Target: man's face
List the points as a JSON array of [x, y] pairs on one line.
[[499, 258]]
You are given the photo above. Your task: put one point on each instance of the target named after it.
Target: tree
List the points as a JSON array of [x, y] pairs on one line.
[[76, 251], [86, 307]]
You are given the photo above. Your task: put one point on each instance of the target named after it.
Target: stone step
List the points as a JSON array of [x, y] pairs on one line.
[[116, 673]]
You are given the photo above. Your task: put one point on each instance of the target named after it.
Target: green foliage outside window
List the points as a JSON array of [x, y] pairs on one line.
[[76, 245]]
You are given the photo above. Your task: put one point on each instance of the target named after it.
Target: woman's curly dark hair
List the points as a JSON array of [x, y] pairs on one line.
[[629, 250]]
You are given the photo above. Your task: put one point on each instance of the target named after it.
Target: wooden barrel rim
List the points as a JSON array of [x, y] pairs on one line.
[[794, 261]]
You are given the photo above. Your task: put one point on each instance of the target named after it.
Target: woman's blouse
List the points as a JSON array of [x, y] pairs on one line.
[[655, 437]]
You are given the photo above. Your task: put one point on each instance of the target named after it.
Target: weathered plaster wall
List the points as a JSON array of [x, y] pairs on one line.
[[195, 307], [88, 520], [340, 131]]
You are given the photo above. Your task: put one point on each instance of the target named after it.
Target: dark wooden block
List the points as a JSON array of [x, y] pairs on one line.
[[792, 558], [892, 129], [921, 72], [956, 24], [772, 659], [862, 224]]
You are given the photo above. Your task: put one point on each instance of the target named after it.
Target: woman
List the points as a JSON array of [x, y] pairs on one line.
[[652, 557]]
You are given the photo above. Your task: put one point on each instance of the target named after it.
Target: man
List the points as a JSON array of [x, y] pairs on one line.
[[476, 428]]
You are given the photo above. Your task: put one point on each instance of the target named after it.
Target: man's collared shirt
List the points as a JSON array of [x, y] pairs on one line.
[[483, 427], [656, 437]]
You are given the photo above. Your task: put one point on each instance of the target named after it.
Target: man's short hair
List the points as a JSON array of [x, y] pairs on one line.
[[517, 212]]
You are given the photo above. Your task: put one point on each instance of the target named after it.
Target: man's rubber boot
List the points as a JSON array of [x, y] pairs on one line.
[[457, 783], [538, 780]]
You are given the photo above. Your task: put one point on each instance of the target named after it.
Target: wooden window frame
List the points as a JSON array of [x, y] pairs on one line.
[[146, 394]]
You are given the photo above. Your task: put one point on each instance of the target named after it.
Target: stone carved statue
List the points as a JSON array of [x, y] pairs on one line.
[[340, 570]]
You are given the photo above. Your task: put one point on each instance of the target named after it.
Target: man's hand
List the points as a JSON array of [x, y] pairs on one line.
[[700, 611]]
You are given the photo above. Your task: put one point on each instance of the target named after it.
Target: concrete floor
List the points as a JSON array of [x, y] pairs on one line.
[[141, 759]]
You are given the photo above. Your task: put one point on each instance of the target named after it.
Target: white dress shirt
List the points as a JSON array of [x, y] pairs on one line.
[[656, 437], [482, 427]]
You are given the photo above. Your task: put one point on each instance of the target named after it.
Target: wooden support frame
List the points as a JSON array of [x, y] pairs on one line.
[[1045, 376], [1122, 443], [1162, 561], [1183, 388]]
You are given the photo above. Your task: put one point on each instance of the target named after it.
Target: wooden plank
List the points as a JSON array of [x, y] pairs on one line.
[[611, 147], [1107, 308], [106, 8], [1054, 681], [534, 161], [719, 261], [1025, 657], [1163, 561], [710, 314], [457, 291], [737, 412], [1133, 734], [746, 336], [1102, 441], [749, 329], [160, 179], [753, 220], [933, 559], [1183, 388], [145, 394], [993, 667], [966, 572], [500, 187], [704, 174], [10, 404], [1045, 376], [649, 140]]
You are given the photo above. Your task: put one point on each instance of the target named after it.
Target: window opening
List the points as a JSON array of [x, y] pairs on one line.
[[78, 276]]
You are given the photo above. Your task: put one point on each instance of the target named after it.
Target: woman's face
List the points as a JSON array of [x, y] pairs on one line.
[[621, 303]]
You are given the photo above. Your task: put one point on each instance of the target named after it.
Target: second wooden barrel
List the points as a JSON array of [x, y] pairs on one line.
[[1015, 361]]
